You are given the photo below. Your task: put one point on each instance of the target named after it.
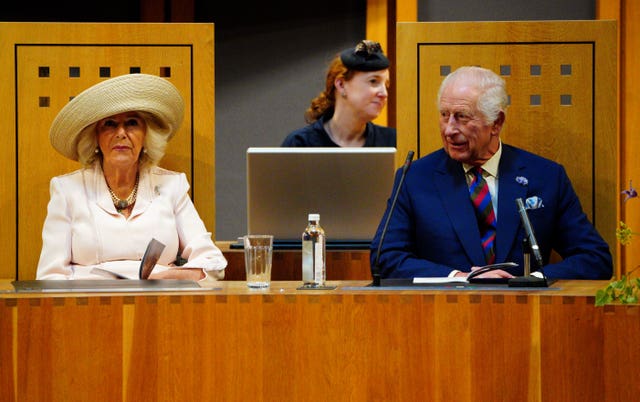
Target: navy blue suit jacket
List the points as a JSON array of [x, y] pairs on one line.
[[433, 228]]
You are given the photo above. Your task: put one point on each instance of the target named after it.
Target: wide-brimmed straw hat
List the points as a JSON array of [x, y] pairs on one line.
[[132, 92]]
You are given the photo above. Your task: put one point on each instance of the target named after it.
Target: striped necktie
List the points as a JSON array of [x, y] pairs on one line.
[[481, 199]]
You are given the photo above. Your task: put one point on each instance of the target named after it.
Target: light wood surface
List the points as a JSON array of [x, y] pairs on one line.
[[180, 52], [351, 344]]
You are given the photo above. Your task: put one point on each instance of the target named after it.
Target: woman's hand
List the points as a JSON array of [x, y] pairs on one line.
[[193, 274]]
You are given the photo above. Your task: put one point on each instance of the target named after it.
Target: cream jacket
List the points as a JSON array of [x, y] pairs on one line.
[[83, 230]]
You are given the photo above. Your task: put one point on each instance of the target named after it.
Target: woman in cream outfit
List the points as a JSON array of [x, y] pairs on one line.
[[104, 214]]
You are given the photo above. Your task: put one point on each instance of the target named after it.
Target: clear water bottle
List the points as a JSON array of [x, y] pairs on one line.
[[314, 271]]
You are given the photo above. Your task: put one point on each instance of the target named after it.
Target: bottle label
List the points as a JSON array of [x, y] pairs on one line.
[[307, 262], [313, 271], [319, 263]]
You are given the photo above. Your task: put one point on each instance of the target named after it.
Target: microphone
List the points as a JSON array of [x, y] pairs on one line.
[[529, 280], [375, 272]]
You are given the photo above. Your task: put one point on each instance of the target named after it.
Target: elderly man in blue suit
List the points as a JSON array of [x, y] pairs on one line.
[[436, 229]]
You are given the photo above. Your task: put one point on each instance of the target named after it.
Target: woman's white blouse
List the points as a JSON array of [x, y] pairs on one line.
[[83, 230]]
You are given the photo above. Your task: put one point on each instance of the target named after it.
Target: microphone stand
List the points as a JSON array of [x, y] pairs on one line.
[[529, 246], [375, 272], [526, 254]]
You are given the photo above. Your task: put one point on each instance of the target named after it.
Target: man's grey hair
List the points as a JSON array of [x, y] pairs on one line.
[[493, 97]]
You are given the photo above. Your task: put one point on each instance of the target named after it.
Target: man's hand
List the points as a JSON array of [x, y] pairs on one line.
[[498, 273]]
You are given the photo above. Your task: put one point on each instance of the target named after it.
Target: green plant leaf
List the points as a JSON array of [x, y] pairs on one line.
[[624, 291], [603, 297]]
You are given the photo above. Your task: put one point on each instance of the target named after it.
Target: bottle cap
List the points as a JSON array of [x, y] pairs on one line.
[[314, 217]]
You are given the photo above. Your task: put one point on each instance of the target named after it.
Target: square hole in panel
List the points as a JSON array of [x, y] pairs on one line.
[[105, 72], [43, 72], [565, 69], [74, 72], [535, 100], [44, 101], [535, 69], [508, 99], [445, 70], [565, 100], [165, 72], [134, 70], [505, 70]]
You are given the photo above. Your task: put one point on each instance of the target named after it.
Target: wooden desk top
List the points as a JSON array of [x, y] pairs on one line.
[[559, 288]]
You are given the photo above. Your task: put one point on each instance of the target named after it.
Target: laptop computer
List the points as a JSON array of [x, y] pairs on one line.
[[348, 187]]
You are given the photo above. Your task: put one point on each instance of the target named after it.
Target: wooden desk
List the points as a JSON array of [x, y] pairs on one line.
[[351, 344]]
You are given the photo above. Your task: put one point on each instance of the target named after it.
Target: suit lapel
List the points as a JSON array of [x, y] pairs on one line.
[[99, 188], [145, 193], [508, 190], [454, 195]]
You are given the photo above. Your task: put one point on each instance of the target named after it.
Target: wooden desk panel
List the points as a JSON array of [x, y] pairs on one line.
[[287, 264], [236, 344]]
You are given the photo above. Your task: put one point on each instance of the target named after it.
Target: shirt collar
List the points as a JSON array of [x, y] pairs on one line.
[[490, 166]]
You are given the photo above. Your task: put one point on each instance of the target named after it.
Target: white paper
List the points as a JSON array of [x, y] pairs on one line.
[[453, 279]]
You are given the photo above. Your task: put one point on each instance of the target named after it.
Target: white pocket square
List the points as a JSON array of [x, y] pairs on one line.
[[534, 202]]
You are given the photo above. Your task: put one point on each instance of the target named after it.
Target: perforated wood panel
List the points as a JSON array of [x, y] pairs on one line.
[[561, 80], [48, 64]]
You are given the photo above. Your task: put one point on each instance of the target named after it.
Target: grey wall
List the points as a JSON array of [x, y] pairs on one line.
[[505, 10], [267, 71]]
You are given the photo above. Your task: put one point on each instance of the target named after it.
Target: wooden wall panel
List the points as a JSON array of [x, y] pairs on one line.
[[580, 135], [380, 22], [554, 130], [185, 50], [627, 13], [630, 103], [382, 16]]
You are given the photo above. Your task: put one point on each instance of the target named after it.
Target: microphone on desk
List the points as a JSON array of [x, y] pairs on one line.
[[532, 247], [375, 270]]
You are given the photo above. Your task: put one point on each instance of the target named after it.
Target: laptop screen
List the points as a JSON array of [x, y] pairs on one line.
[[348, 187]]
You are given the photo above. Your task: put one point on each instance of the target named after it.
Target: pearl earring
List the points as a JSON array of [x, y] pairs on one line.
[[96, 151]]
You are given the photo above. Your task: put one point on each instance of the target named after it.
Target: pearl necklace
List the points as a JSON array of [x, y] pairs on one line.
[[120, 204]]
